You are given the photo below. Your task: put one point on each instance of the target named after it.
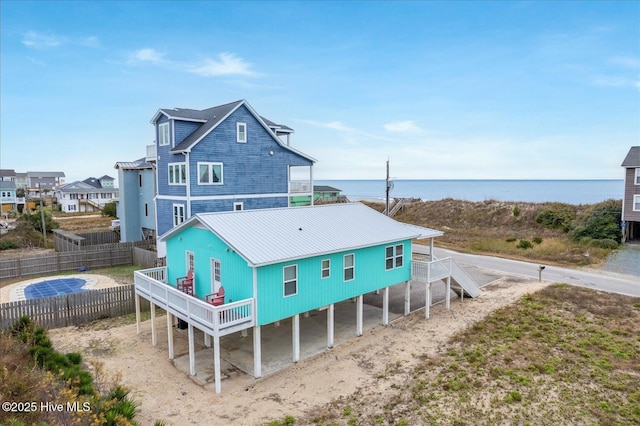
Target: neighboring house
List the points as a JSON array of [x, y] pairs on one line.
[[225, 158], [280, 263], [7, 175], [89, 195], [37, 181], [135, 204], [326, 194], [8, 199], [631, 200]]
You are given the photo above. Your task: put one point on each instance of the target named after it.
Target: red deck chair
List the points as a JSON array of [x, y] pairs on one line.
[[185, 284], [216, 298]]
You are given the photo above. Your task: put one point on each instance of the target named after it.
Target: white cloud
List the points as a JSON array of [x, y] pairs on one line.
[[146, 55], [228, 64], [36, 40], [333, 125], [401, 126]]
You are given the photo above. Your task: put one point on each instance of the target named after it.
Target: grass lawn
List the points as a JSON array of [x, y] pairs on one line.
[[564, 355]]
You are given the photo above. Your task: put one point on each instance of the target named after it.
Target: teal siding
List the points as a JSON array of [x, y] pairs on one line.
[[237, 276], [315, 292]]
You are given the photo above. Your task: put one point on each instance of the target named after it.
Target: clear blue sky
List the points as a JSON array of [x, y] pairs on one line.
[[511, 90]]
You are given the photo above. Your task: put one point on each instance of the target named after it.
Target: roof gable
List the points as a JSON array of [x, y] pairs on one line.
[[633, 157], [264, 237]]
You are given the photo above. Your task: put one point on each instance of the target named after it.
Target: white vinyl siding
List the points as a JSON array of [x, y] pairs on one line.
[[210, 174]]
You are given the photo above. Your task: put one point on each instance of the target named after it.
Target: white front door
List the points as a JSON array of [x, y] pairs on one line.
[[216, 277]]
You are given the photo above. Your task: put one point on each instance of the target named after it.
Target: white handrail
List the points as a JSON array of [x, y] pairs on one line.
[[214, 320]]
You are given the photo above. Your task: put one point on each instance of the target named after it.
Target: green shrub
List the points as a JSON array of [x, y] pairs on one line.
[[601, 223], [516, 211], [511, 240], [524, 244], [35, 220], [537, 240], [8, 244], [558, 216]]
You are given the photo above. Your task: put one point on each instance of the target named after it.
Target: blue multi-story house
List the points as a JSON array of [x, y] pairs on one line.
[[224, 158], [136, 205]]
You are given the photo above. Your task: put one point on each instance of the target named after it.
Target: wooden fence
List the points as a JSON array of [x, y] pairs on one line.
[[64, 241], [72, 309], [72, 261]]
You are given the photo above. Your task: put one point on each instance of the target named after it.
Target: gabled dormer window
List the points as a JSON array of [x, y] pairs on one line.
[[163, 134], [241, 132]]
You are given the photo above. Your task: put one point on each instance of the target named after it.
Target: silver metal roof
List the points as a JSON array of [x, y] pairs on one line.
[[270, 236]]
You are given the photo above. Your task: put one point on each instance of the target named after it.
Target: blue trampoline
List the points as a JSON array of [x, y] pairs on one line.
[[54, 287]]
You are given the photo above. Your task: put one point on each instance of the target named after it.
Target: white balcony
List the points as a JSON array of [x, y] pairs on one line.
[[217, 321], [151, 153]]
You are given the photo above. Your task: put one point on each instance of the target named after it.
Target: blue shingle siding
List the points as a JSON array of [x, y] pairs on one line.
[[259, 166], [247, 204], [184, 129]]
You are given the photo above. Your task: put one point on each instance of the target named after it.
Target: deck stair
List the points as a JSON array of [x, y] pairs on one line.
[[397, 205]]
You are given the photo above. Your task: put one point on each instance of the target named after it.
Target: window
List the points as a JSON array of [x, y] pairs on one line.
[[394, 257], [241, 132], [238, 206], [636, 203], [325, 271], [190, 260], [146, 209], [177, 173], [139, 181], [209, 173], [290, 274], [637, 182], [349, 267], [163, 134], [178, 214]]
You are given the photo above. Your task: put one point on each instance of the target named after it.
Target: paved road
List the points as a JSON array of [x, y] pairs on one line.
[[484, 268]]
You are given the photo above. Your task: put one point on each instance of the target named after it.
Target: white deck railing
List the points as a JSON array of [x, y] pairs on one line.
[[431, 271], [213, 320]]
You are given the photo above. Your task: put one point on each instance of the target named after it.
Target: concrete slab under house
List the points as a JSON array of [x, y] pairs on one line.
[[238, 272]]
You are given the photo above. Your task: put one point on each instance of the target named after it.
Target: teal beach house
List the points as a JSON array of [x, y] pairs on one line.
[[227, 272]]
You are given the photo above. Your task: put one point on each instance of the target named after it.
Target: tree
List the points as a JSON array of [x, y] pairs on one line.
[[35, 220], [110, 210]]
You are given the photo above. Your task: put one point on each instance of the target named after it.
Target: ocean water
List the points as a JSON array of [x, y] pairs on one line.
[[564, 191]]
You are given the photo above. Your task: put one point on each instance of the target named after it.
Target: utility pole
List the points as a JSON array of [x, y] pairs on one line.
[[44, 230], [388, 184]]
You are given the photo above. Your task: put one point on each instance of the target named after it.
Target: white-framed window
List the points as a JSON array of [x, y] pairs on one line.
[[210, 174], [190, 260], [163, 134], [637, 181], [238, 206], [177, 173], [636, 203], [178, 214], [241, 132], [394, 257], [349, 267], [290, 280], [325, 268]]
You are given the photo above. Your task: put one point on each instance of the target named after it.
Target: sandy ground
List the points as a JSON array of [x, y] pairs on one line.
[[164, 392]]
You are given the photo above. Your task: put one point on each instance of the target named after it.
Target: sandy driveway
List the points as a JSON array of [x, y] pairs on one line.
[[166, 393]]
